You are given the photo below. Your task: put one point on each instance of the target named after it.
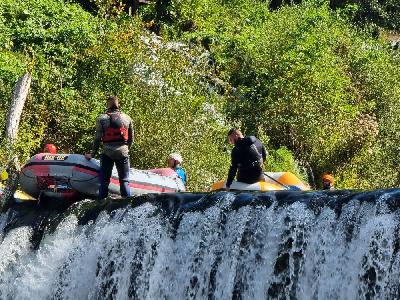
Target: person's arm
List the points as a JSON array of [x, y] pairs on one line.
[[97, 137], [182, 175], [130, 134], [233, 169], [264, 152]]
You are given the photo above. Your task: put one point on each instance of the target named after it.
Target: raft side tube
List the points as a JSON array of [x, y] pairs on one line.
[[275, 181]]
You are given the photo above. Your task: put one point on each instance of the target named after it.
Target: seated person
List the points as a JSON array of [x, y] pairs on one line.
[[328, 182], [247, 158], [50, 148], [174, 162]]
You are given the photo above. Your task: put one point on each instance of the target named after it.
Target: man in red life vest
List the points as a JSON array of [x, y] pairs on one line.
[[114, 129]]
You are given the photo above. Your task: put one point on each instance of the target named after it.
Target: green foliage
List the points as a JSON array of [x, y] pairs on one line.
[[77, 60], [46, 38], [366, 12], [50, 27], [282, 160], [314, 88], [11, 67], [310, 80]]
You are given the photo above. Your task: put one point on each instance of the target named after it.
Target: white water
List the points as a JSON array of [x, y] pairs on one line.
[[253, 252]]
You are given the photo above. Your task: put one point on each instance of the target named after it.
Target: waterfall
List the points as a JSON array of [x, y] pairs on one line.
[[275, 245]]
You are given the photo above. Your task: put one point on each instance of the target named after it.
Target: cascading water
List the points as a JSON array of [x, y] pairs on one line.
[[278, 245]]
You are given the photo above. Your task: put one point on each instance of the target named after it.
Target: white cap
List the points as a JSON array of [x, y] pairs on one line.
[[176, 156]]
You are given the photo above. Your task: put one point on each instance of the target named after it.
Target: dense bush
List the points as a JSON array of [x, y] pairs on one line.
[[384, 14], [318, 91], [77, 60], [309, 79]]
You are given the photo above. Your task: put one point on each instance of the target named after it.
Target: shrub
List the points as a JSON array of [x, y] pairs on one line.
[[77, 60], [314, 83]]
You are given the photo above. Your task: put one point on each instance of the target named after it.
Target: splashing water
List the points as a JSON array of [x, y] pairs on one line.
[[335, 245]]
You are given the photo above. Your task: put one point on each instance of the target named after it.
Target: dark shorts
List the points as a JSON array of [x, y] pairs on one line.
[[250, 175]]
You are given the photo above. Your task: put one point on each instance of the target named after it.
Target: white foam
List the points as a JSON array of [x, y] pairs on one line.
[[254, 251]]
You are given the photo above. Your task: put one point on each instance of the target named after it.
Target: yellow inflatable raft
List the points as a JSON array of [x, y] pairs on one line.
[[274, 181], [19, 196]]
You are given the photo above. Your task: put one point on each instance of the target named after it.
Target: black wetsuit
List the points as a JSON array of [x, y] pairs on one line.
[[247, 158]]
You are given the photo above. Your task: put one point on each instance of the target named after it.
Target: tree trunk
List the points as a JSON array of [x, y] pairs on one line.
[[17, 104], [20, 94]]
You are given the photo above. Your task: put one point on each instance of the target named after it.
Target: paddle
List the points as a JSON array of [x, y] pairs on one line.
[[273, 179]]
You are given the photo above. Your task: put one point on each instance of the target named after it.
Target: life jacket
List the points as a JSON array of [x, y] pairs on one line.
[[181, 174], [116, 132]]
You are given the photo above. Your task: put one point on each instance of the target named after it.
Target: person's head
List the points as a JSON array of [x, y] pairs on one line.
[[174, 159], [327, 181], [50, 148], [112, 102], [233, 135]]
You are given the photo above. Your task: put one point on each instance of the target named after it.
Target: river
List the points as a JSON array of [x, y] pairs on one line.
[[222, 245]]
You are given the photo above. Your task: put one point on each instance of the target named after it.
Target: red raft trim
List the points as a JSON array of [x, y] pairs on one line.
[[145, 186], [86, 171], [38, 170]]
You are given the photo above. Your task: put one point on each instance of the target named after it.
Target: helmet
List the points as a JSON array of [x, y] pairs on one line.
[[50, 148], [176, 156], [328, 178]]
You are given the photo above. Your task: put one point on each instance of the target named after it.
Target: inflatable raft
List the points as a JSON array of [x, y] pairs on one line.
[[72, 177], [274, 181]]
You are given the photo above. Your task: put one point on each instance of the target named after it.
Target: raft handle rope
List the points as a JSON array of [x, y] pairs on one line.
[[68, 180], [63, 177], [280, 183]]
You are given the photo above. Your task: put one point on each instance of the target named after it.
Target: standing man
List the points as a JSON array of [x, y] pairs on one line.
[[247, 158], [114, 130]]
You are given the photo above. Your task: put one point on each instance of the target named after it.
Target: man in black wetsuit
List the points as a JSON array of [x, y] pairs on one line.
[[247, 158]]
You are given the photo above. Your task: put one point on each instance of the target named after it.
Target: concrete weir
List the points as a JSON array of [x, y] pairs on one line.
[[220, 245]]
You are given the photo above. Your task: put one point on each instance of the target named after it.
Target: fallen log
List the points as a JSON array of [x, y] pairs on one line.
[[20, 94]]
